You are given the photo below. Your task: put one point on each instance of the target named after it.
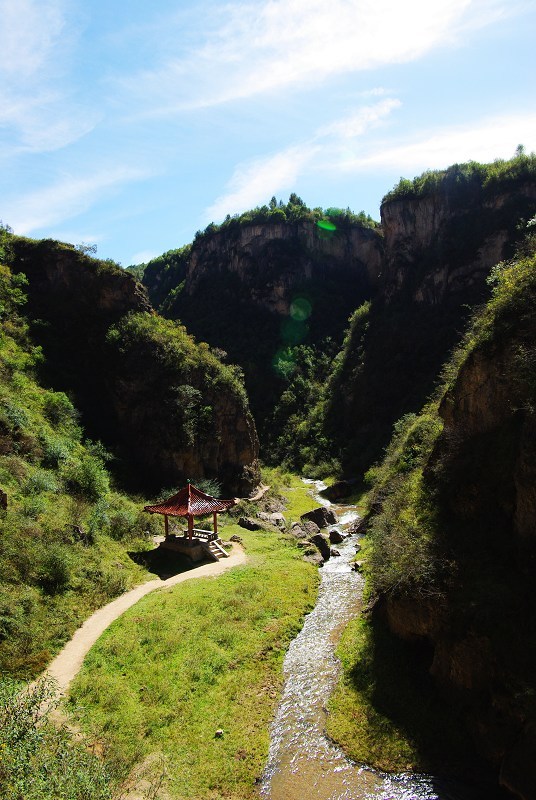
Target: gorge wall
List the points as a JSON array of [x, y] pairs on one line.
[[423, 269], [140, 382], [476, 514]]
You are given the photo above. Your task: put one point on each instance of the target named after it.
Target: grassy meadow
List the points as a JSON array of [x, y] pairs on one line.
[[202, 657]]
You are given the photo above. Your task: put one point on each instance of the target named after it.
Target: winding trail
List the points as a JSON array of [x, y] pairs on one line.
[[64, 668]]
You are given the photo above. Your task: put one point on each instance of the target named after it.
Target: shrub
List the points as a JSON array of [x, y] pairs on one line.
[[39, 761], [55, 571], [86, 477]]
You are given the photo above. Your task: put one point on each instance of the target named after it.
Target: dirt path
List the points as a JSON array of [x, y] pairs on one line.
[[64, 668]]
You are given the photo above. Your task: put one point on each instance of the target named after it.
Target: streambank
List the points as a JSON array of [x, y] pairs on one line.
[[303, 762]]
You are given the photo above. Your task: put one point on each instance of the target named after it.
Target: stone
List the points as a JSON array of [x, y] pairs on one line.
[[235, 538], [334, 552], [358, 526], [218, 734], [314, 558], [336, 537], [249, 523], [322, 545], [273, 518], [357, 566], [3, 499], [320, 516], [302, 530]]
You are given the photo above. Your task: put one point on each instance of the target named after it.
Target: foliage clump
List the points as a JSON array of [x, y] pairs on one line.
[[459, 181], [62, 544], [40, 760]]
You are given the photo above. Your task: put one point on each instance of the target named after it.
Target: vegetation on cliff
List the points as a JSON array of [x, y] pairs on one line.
[[437, 259], [264, 285], [64, 530], [138, 381], [459, 180], [451, 548]]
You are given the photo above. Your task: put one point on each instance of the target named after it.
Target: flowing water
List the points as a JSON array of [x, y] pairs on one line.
[[303, 763]]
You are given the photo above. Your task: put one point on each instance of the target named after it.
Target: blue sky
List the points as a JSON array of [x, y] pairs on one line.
[[131, 125]]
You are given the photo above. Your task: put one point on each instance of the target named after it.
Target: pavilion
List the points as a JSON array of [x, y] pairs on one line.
[[191, 502]]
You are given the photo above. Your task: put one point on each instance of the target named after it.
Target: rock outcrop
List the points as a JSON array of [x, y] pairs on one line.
[[480, 629], [147, 389]]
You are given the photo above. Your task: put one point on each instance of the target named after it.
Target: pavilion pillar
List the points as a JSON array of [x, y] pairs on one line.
[[215, 522], [166, 525], [190, 526]]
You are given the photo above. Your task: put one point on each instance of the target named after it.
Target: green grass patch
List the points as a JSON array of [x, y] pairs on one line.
[[203, 656], [384, 711]]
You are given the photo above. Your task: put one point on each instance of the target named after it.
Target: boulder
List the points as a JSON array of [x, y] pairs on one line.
[[314, 558], [304, 529], [334, 552], [321, 516], [249, 523], [359, 526], [336, 537], [322, 545], [274, 518]]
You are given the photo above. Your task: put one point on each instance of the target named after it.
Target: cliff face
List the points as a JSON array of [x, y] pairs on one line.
[[272, 260], [145, 406], [481, 630], [237, 289], [438, 246], [439, 251]]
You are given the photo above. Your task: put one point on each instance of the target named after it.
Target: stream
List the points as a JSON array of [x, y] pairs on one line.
[[302, 761]]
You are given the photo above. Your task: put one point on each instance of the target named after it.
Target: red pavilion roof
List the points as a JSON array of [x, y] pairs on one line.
[[190, 501]]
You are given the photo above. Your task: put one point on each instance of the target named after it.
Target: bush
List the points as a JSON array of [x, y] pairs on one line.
[[39, 761], [55, 572], [86, 477]]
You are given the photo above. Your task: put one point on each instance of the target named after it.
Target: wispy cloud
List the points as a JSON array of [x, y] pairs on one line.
[[256, 180], [482, 140], [67, 198], [277, 44], [328, 152], [36, 112]]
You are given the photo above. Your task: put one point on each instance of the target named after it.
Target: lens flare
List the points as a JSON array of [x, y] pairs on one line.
[[300, 309], [326, 225]]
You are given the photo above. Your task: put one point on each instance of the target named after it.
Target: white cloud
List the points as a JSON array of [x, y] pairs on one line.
[[30, 32], [253, 182], [36, 110], [360, 121], [67, 198], [483, 140], [278, 44]]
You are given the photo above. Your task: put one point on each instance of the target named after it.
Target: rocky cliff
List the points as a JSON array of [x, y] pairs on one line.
[[137, 389], [479, 615], [254, 290], [439, 250], [274, 260]]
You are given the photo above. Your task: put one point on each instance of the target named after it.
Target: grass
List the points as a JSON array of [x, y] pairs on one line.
[[298, 496], [384, 711], [204, 656]]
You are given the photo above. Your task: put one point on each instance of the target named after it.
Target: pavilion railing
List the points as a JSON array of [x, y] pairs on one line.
[[198, 533]]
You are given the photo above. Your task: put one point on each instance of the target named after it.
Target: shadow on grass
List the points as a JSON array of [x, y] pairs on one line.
[[164, 563], [394, 676]]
